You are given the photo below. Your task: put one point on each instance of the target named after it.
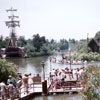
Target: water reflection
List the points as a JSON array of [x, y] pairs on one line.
[[32, 65], [59, 97]]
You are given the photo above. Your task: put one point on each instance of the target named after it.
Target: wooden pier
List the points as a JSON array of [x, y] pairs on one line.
[[37, 89]]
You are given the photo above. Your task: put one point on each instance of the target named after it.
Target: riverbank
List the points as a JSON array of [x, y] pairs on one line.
[[90, 56]]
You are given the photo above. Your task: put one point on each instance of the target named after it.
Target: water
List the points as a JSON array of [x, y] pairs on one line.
[[59, 97], [33, 65], [30, 65]]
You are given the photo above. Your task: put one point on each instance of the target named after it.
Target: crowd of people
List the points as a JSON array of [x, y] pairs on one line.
[[66, 61], [60, 78], [12, 88]]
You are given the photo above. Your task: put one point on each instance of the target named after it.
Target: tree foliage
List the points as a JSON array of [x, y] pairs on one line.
[[38, 42], [86, 56], [52, 45], [63, 44], [6, 69], [3, 43], [97, 36], [21, 41], [91, 81], [80, 47]]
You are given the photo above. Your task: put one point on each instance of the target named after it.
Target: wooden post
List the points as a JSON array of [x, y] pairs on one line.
[[44, 87]]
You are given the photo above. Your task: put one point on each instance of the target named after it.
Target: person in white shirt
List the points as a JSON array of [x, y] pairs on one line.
[[11, 90], [3, 90], [78, 74], [30, 81], [53, 72]]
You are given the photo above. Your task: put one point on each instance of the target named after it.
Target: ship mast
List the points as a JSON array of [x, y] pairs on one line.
[[12, 24]]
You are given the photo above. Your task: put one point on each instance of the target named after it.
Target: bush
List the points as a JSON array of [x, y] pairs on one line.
[[87, 56], [91, 81], [6, 69]]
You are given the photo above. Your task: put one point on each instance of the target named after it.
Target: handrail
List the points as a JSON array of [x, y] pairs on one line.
[[64, 87], [21, 90], [29, 88]]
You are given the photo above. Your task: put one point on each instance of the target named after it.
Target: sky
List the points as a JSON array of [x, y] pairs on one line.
[[57, 19]]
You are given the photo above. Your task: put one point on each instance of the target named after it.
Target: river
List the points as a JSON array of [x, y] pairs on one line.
[[33, 65], [59, 97]]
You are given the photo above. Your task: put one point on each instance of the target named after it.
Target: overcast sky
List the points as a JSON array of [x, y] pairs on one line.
[[53, 18]]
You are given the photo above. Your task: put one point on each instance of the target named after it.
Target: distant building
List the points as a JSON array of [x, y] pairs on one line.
[[83, 40], [94, 45]]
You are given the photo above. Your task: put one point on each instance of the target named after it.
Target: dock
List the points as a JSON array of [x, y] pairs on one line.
[[37, 91], [46, 87]]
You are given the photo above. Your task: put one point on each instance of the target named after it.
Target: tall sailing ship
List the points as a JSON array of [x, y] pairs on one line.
[[12, 50]]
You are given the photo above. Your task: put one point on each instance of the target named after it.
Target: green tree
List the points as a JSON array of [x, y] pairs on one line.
[[63, 45], [52, 45], [38, 42], [81, 47], [3, 43], [6, 69], [21, 41], [91, 81], [45, 50], [72, 41], [1, 38], [29, 49], [97, 36]]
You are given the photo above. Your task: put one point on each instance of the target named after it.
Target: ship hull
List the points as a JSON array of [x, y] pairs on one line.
[[14, 52]]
